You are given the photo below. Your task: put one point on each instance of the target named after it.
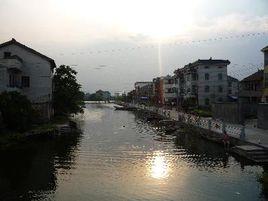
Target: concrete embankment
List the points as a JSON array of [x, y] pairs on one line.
[[210, 130]]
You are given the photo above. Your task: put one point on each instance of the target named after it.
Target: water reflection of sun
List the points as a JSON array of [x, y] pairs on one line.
[[159, 166]]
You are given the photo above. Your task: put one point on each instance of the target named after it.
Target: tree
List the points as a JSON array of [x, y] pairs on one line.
[[17, 111], [67, 95]]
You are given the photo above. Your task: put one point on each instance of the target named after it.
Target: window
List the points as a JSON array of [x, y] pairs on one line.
[[194, 89], [230, 91], [7, 54], [207, 101], [25, 81], [220, 99], [14, 80], [220, 89], [194, 76], [206, 88], [220, 76], [229, 84], [206, 76], [207, 67], [187, 77]]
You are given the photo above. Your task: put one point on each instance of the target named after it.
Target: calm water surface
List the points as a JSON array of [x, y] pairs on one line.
[[119, 156]]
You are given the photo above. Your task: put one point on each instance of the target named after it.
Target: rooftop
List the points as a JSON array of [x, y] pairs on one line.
[[230, 78], [13, 41], [209, 61], [258, 76]]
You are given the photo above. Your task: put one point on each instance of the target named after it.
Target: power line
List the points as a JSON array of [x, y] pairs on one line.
[[176, 43]]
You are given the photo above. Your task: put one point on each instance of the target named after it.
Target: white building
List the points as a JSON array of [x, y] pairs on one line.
[[29, 72], [170, 89], [204, 80]]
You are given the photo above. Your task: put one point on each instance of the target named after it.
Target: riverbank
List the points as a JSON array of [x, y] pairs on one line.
[[9, 139], [211, 130]]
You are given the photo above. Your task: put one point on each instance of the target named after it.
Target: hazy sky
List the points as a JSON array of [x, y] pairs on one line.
[[114, 43]]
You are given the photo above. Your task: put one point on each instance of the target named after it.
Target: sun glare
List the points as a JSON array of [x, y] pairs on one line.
[[154, 18], [160, 19], [159, 166]]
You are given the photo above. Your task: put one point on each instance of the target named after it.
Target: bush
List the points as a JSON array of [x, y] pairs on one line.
[[202, 112], [17, 111]]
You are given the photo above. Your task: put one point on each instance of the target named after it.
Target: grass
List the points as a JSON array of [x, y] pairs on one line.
[[202, 112]]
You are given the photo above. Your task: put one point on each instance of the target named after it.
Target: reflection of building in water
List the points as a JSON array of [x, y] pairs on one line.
[[202, 152], [27, 173]]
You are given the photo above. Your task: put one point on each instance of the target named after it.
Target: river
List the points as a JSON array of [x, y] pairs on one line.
[[119, 156]]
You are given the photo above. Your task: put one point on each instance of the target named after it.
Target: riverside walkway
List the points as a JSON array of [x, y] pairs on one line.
[[248, 134]]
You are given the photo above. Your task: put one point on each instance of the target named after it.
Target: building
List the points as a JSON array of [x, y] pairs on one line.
[[170, 90], [158, 91], [233, 85], [203, 80], [143, 91], [29, 72], [251, 88], [265, 80]]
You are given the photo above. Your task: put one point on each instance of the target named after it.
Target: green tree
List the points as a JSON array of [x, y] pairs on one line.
[[17, 111], [67, 95]]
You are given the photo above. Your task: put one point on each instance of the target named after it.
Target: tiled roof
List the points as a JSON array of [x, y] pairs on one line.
[[13, 41], [208, 62], [265, 49], [230, 78], [258, 76]]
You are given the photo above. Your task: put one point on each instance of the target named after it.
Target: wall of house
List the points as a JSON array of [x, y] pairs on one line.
[[213, 95], [266, 58], [188, 85], [3, 78], [169, 85], [263, 116], [233, 88], [228, 112], [37, 68]]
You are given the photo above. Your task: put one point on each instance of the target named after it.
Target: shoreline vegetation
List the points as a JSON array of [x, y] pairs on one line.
[[9, 139], [19, 120]]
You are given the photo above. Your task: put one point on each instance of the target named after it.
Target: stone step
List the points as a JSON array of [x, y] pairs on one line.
[[252, 152], [263, 156]]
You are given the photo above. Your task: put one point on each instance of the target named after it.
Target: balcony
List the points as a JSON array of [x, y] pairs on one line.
[[13, 88]]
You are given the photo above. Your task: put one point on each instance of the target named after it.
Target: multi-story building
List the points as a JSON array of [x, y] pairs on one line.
[[265, 90], [158, 91], [29, 72], [203, 80], [170, 90], [251, 88], [143, 91]]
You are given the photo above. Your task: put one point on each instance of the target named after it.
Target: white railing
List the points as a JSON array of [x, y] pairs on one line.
[[214, 125]]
